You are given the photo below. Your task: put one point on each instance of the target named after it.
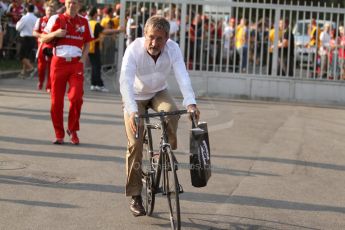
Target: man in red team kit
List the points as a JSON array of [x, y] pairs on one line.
[[43, 58], [70, 35]]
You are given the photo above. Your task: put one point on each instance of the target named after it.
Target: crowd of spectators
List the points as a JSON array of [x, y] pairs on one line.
[[329, 43], [239, 43], [11, 11]]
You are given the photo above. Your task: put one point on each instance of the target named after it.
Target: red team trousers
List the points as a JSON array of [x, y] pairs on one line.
[[65, 71], [43, 67]]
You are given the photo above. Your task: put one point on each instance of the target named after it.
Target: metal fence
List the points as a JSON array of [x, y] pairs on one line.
[[241, 38]]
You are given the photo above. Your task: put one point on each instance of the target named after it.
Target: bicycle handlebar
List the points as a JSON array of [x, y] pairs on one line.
[[162, 114]]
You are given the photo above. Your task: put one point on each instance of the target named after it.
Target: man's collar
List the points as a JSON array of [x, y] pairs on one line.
[[68, 16]]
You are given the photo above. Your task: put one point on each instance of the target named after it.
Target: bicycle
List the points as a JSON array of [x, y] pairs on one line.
[[164, 164]]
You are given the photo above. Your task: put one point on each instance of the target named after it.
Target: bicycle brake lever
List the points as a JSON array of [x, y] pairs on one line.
[[193, 118]]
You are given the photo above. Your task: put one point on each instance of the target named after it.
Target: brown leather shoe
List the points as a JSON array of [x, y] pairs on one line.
[[136, 206]]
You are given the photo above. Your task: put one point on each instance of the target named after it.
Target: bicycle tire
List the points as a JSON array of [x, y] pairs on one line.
[[147, 179], [172, 191], [148, 195]]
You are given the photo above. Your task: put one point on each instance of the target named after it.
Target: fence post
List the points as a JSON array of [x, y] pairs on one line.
[[183, 27], [276, 39]]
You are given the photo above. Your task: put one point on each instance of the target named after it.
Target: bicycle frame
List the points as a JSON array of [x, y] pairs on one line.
[[162, 149], [164, 172]]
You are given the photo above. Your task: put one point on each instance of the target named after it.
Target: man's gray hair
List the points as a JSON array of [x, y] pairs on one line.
[[158, 23]]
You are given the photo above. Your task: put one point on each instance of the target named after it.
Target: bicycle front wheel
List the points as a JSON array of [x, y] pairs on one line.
[[148, 194], [148, 174], [172, 191]]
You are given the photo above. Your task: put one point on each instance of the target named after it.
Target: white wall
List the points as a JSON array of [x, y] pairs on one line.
[[263, 88]]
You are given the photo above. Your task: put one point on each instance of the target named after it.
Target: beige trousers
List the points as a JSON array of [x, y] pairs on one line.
[[161, 101]]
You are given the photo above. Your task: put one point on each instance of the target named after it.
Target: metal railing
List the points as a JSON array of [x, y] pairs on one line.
[[264, 46]]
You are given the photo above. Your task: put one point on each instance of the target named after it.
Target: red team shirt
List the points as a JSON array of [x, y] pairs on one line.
[[78, 33], [39, 27], [41, 24]]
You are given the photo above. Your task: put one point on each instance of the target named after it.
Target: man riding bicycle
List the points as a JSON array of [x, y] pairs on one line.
[[146, 64]]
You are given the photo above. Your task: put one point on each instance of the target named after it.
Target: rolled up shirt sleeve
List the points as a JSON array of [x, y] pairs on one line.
[[182, 77]]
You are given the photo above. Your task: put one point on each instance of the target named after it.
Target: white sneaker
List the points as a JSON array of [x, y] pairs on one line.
[[92, 88], [101, 89]]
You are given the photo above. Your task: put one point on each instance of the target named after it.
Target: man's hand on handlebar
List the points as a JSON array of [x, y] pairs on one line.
[[192, 108]]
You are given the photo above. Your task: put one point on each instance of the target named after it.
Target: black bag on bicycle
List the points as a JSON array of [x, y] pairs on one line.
[[200, 158]]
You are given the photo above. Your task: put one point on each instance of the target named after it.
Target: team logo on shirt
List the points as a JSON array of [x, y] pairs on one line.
[[80, 29], [43, 24]]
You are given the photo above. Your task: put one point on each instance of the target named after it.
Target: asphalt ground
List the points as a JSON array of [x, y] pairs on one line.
[[274, 166]]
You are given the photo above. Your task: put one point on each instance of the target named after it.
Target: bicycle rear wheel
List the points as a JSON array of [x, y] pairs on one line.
[[147, 179], [172, 190]]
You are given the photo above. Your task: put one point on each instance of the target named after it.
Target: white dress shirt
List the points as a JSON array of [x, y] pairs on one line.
[[141, 78], [325, 39], [229, 37], [26, 25]]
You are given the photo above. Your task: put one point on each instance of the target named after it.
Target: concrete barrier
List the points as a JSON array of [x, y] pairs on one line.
[[265, 88]]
